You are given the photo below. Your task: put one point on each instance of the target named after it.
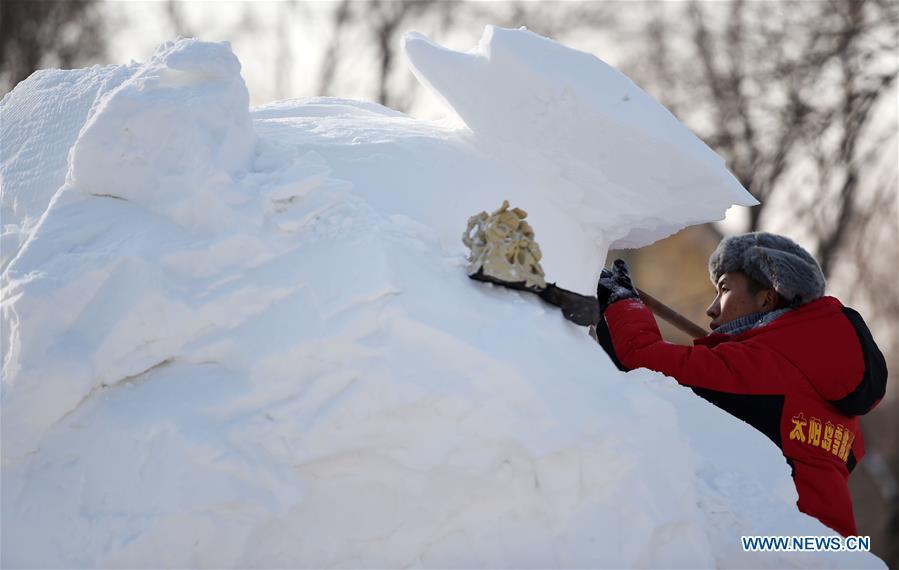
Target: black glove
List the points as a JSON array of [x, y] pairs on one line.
[[615, 285]]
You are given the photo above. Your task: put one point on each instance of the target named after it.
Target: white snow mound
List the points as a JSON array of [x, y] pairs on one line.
[[617, 161], [191, 98], [245, 338], [39, 122]]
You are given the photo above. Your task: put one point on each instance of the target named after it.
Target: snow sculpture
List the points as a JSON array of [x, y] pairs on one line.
[[41, 120], [248, 342], [623, 166]]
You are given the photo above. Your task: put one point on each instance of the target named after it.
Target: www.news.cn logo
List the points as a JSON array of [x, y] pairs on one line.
[[806, 543]]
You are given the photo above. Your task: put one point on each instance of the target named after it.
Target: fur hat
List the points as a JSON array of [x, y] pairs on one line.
[[775, 261]]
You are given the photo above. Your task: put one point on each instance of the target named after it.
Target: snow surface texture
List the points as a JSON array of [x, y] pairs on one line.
[[39, 123], [245, 338], [608, 155]]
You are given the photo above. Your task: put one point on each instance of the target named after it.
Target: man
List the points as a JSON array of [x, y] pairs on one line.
[[798, 366]]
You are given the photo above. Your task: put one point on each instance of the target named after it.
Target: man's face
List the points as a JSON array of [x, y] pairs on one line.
[[734, 300]]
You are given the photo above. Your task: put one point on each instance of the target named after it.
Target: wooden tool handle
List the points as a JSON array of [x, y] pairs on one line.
[[678, 320]]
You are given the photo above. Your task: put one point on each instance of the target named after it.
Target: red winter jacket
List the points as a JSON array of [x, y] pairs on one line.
[[802, 380]]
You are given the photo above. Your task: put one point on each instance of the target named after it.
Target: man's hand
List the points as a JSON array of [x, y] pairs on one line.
[[615, 285]]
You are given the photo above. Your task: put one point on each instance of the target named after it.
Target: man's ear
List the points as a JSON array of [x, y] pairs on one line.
[[771, 299], [763, 300]]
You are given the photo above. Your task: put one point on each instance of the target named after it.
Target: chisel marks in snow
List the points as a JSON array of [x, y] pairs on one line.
[[112, 384], [100, 195]]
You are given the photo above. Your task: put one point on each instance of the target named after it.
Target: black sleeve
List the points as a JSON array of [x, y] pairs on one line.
[[605, 341], [873, 383], [761, 411]]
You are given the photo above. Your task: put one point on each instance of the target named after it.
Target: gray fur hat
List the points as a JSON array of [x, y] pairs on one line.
[[775, 261]]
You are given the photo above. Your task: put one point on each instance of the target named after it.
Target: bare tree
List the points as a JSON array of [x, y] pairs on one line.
[[332, 52], [790, 88], [35, 35], [173, 10], [380, 24], [283, 68]]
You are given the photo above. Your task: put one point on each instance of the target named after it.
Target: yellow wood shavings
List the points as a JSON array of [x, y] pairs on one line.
[[503, 245]]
